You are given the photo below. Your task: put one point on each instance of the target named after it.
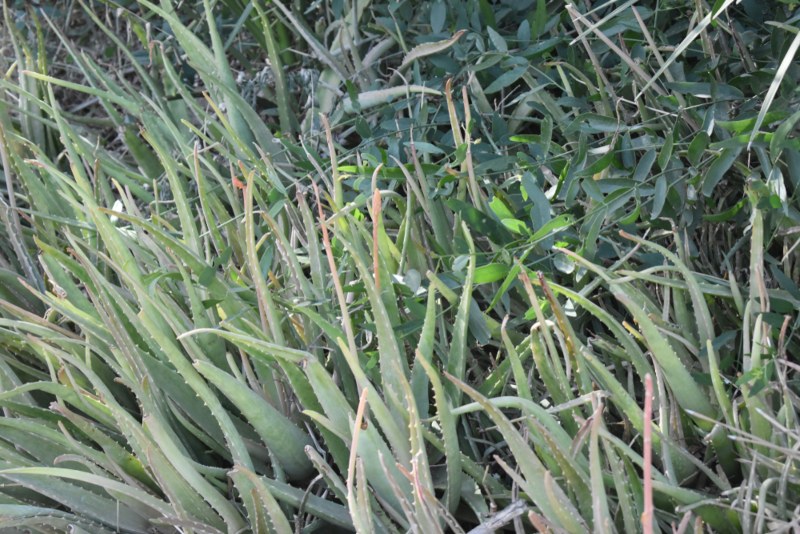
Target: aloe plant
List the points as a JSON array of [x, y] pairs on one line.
[[517, 271]]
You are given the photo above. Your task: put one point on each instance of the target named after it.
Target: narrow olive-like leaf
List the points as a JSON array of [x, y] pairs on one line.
[[512, 275], [718, 169], [781, 134], [697, 148], [665, 153], [607, 17], [428, 49], [559, 223], [491, 272], [632, 64], [497, 40], [377, 97], [659, 196], [480, 322], [505, 79]]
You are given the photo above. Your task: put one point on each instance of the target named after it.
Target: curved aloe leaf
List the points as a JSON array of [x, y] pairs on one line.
[[282, 437]]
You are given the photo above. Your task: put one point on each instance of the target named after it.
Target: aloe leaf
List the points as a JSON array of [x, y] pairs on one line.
[[370, 445], [331, 398], [45, 480], [119, 458], [627, 506], [332, 479], [178, 189], [285, 112], [211, 63], [520, 378], [21, 516], [420, 474], [10, 217], [278, 519], [632, 350], [282, 436], [108, 96], [178, 459], [270, 320], [322, 52], [394, 367], [186, 502], [357, 498], [690, 395], [447, 425], [419, 377], [331, 512], [601, 515], [550, 499], [624, 402], [457, 358]]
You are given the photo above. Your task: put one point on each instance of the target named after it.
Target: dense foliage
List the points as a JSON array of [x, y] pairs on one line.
[[273, 266]]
